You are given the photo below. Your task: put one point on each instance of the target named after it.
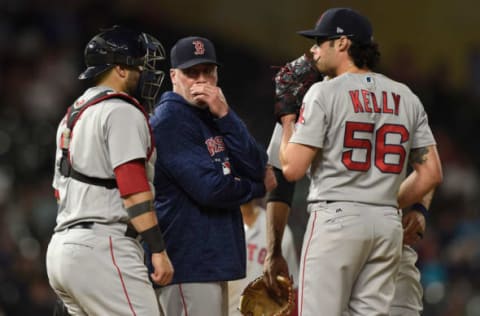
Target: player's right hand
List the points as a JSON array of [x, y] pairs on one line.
[[274, 266], [413, 227], [162, 268]]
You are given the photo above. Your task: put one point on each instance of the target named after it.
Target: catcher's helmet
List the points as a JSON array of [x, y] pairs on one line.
[[122, 46]]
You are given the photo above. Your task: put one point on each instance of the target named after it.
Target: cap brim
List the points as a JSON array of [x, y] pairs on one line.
[[94, 71], [312, 34], [197, 61]]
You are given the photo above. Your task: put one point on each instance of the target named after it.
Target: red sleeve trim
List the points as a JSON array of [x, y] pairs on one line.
[[132, 177]]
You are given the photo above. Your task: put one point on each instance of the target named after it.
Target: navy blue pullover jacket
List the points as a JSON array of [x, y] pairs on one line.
[[205, 169]]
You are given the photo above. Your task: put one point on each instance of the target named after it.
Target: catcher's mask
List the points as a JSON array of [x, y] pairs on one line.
[[121, 46]]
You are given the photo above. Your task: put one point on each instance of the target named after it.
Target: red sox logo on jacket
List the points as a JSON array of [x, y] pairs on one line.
[[199, 47], [215, 145], [256, 253]]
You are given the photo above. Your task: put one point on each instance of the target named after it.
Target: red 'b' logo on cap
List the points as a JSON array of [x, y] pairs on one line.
[[199, 47]]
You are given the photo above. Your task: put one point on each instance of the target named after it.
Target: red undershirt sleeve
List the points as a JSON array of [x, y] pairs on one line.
[[132, 178]]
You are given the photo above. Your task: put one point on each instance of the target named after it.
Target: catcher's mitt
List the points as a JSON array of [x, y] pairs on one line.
[[291, 83], [256, 301]]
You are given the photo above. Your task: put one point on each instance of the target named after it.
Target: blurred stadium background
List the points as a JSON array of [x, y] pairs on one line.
[[433, 46]]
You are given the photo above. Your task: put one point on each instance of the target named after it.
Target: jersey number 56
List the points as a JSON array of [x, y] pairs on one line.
[[378, 144]]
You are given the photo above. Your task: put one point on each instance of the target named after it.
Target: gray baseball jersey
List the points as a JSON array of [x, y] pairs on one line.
[[256, 240], [365, 132], [100, 142], [93, 265]]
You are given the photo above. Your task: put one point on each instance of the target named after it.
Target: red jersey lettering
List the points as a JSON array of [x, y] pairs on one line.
[[251, 251], [396, 101], [386, 109], [215, 145], [261, 255], [366, 101], [357, 106], [376, 109]]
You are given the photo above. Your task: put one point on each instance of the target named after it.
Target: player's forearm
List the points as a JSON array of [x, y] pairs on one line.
[[288, 125], [427, 199], [277, 218], [414, 189], [422, 207], [284, 190], [145, 220], [295, 158], [426, 177]]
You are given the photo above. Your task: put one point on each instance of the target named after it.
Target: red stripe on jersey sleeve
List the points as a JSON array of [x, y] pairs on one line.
[[132, 178]]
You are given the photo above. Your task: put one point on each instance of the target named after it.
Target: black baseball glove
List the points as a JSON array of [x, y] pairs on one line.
[[291, 83]]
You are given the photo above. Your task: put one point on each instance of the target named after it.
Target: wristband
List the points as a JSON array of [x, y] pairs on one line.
[[154, 239], [420, 208], [140, 208], [284, 190]]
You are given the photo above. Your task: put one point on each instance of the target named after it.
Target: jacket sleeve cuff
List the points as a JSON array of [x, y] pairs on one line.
[[229, 122]]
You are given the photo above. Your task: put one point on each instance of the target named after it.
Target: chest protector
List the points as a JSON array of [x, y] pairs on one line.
[[73, 114]]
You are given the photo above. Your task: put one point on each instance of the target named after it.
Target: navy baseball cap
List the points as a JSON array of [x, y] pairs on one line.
[[191, 51], [336, 22]]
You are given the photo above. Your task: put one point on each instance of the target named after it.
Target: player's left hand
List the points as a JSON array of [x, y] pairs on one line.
[[292, 82], [163, 269], [274, 266], [212, 96], [413, 227]]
